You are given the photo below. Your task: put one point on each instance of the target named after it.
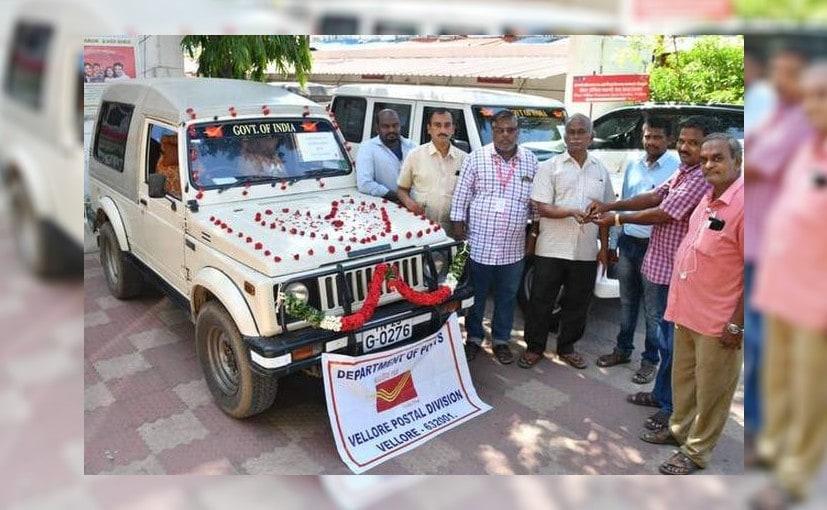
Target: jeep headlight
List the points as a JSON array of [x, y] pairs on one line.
[[299, 291]]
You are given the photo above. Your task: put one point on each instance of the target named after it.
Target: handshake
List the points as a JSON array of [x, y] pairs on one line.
[[596, 212]]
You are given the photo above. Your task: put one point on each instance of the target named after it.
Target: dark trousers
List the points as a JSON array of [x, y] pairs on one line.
[[632, 295], [550, 275]]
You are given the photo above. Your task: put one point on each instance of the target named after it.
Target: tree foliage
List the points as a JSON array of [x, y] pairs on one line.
[[248, 56], [711, 71]]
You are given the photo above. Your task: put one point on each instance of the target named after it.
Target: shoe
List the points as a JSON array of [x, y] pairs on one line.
[[503, 354], [574, 359], [471, 350], [658, 421], [645, 374], [660, 437], [615, 358]]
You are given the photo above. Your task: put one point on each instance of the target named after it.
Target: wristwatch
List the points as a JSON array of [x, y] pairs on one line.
[[735, 329]]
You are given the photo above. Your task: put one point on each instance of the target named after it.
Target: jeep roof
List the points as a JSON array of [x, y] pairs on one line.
[[208, 97], [462, 95]]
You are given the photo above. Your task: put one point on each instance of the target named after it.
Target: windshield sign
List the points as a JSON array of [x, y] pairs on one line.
[[238, 152]]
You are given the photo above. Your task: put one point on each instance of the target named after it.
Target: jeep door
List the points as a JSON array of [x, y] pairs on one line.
[[162, 219]]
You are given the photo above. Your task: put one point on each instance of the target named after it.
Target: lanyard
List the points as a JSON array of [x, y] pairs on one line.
[[505, 180]]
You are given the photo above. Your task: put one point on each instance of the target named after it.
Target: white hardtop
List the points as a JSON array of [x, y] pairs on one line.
[[209, 97], [459, 95]]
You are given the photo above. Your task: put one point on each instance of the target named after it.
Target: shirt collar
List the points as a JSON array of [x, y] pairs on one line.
[[658, 162], [589, 159], [433, 150], [726, 196], [516, 157]]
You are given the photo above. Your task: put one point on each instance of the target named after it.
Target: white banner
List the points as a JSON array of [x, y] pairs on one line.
[[385, 404]]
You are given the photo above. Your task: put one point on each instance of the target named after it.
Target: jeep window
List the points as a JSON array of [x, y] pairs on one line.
[[162, 157], [26, 69], [540, 128], [618, 130], [111, 134], [225, 154], [404, 112], [460, 130], [350, 115]]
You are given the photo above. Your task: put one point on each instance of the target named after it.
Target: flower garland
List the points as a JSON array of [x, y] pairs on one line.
[[297, 308]]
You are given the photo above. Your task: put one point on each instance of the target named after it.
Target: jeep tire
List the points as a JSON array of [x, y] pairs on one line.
[[237, 389], [122, 277], [42, 248]]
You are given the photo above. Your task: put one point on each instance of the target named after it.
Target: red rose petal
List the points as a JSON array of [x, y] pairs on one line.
[[347, 248], [266, 253], [310, 251], [408, 235], [296, 256], [268, 212], [249, 239], [285, 210], [277, 259], [258, 246], [395, 237], [331, 249]]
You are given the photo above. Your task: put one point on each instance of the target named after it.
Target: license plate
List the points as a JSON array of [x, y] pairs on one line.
[[386, 335]]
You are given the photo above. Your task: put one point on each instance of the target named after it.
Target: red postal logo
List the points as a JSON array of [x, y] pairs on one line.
[[394, 391]]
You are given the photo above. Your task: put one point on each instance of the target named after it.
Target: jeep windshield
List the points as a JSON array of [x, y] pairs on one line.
[[235, 153], [540, 128]]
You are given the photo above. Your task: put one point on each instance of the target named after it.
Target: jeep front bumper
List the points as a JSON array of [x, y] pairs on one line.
[[274, 355]]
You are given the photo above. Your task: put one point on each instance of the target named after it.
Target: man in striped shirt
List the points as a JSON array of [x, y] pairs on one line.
[[491, 207], [667, 208]]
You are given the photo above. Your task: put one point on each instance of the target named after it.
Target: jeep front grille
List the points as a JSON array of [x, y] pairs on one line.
[[358, 279]]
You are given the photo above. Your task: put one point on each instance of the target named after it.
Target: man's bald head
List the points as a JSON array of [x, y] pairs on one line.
[[814, 87], [388, 123]]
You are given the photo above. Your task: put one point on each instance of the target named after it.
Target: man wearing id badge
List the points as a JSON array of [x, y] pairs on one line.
[[491, 208], [566, 254]]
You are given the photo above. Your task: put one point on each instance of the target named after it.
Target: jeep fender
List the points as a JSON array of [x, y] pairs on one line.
[[114, 216], [228, 293]]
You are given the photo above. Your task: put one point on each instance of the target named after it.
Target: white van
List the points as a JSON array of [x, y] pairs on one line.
[[541, 118]]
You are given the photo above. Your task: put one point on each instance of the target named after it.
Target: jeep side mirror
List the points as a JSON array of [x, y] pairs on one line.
[[157, 184], [462, 145]]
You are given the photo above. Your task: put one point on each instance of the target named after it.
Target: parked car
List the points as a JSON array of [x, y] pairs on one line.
[[228, 194], [541, 118], [618, 134]]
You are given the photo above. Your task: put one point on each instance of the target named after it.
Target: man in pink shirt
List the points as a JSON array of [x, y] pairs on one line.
[[771, 146], [791, 291], [706, 304]]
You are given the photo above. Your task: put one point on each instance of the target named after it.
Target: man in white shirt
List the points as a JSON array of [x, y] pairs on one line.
[[566, 253]]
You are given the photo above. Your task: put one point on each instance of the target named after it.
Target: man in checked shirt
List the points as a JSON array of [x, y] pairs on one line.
[[491, 208], [667, 208]]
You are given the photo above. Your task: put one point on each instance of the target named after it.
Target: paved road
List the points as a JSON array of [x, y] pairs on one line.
[[147, 409]]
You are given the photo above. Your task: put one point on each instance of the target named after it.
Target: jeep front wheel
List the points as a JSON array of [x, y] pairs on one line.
[[237, 389]]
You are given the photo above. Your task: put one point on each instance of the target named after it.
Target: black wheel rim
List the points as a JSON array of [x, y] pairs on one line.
[[222, 361]]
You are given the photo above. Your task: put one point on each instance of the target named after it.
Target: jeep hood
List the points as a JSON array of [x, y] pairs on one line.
[[298, 233]]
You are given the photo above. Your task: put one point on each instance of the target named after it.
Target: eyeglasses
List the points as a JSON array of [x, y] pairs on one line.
[[509, 130]]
